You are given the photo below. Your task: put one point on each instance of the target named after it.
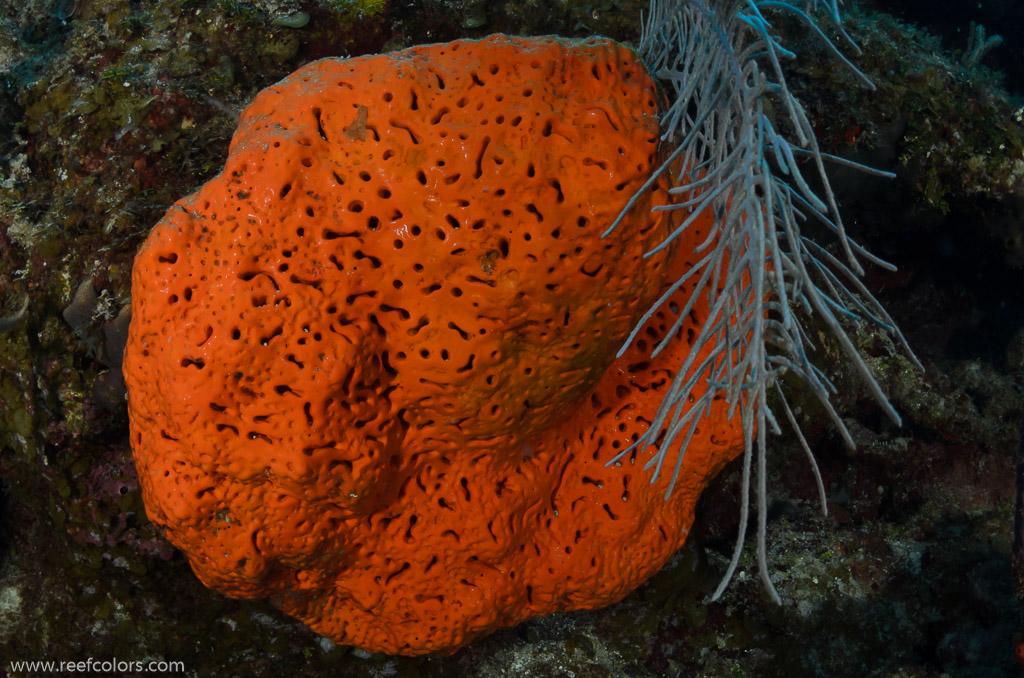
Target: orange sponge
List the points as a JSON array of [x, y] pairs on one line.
[[371, 366]]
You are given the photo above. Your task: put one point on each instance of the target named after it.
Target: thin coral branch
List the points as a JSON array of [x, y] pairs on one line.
[[978, 45], [721, 67]]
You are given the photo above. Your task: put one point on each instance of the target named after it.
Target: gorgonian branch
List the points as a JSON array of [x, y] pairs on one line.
[[721, 68]]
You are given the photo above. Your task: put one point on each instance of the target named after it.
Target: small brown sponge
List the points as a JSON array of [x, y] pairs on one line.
[[371, 366]]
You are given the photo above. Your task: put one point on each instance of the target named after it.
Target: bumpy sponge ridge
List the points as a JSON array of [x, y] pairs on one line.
[[371, 366]]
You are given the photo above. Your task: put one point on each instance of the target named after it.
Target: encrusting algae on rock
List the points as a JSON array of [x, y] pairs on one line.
[[372, 366], [403, 366]]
